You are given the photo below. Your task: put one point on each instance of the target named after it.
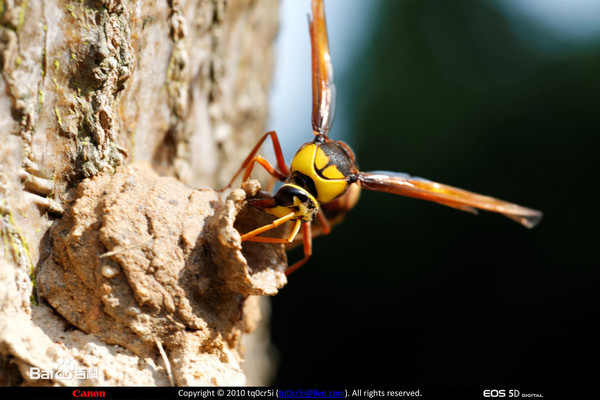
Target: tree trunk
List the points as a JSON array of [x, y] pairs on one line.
[[140, 278]]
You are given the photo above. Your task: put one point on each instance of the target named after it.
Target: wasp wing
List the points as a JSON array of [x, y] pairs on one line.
[[322, 71], [406, 185]]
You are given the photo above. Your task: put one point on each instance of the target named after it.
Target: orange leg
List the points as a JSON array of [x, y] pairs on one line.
[[307, 242], [283, 170], [289, 239], [266, 165], [251, 236], [325, 227], [306, 238]]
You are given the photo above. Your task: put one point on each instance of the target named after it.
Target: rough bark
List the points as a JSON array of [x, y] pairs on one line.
[[140, 276]]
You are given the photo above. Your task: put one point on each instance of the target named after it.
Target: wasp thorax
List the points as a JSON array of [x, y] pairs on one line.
[[295, 198]]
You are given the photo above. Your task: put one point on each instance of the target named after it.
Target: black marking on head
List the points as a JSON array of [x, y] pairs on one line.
[[339, 157], [304, 181]]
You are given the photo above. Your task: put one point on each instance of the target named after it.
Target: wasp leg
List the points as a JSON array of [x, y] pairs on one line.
[[266, 165], [283, 170], [325, 227], [250, 236], [289, 239], [307, 242]]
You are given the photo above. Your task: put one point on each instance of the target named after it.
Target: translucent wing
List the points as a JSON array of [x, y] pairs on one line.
[[406, 185], [322, 71]]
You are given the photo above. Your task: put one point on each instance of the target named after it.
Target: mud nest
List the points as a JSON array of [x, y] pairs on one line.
[[147, 263]]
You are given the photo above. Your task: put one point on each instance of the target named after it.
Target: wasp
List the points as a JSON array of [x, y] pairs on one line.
[[323, 181]]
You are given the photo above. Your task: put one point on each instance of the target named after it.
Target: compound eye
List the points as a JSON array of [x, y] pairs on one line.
[[285, 196], [303, 198]]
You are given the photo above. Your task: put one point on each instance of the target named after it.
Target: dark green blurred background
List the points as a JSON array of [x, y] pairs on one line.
[[410, 292]]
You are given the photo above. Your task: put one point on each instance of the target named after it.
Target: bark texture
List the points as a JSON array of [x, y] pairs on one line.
[[140, 276]]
